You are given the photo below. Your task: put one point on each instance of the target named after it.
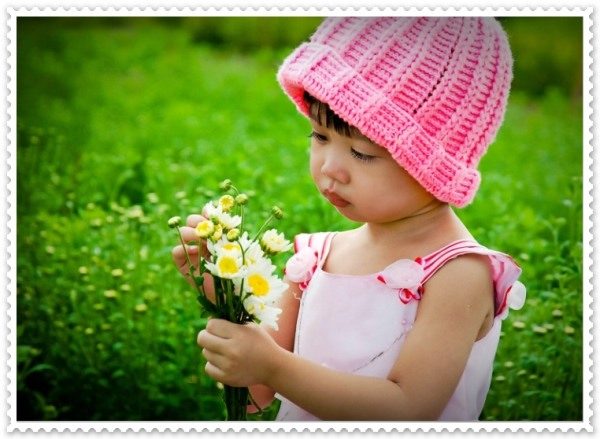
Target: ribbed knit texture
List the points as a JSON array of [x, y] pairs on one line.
[[432, 90]]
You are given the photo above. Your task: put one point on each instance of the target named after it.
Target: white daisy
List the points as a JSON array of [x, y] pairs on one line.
[[274, 242], [227, 221], [228, 265], [266, 314]]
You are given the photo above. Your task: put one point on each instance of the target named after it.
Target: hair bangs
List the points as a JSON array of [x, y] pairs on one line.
[[321, 113]]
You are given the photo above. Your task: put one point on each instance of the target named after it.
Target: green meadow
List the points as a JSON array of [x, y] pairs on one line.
[[122, 124]]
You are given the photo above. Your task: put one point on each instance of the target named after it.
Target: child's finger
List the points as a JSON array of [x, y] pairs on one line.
[[214, 358], [210, 341], [214, 372], [178, 253], [221, 328], [193, 220], [188, 234]]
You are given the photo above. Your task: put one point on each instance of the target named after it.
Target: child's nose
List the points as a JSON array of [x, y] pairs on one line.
[[334, 169]]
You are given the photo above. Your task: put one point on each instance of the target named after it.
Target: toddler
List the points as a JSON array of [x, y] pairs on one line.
[[398, 319]]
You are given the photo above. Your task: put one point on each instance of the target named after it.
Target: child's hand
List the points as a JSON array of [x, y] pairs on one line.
[[188, 234], [238, 355]]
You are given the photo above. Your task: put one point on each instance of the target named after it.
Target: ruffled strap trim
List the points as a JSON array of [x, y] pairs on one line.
[[508, 291], [309, 254]]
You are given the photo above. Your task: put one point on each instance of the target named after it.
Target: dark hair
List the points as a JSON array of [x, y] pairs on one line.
[[321, 113]]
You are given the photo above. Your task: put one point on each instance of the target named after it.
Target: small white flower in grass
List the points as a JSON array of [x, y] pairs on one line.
[[274, 242], [152, 198], [111, 294]]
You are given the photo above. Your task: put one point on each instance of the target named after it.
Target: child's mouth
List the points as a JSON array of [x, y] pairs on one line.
[[335, 199]]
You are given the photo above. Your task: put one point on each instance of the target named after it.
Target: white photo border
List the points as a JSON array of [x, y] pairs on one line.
[[9, 229]]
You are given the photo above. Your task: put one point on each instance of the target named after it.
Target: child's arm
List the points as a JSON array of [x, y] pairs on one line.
[[457, 300], [284, 337]]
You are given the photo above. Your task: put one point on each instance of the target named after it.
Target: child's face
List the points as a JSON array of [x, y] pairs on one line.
[[361, 179]]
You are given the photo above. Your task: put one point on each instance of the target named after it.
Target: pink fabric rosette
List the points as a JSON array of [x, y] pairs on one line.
[[301, 266], [406, 277]]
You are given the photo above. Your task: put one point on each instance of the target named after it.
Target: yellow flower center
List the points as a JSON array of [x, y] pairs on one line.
[[230, 246], [226, 202], [205, 228], [227, 265], [258, 285]]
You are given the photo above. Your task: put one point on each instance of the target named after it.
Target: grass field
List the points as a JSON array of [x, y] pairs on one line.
[[121, 127]]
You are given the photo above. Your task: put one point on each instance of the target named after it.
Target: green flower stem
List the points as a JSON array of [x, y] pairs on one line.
[[230, 308], [242, 221], [239, 311], [263, 227], [191, 267], [219, 295], [237, 192], [236, 402]]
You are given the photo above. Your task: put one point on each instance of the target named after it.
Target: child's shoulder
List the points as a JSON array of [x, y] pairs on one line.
[[472, 272], [469, 276]]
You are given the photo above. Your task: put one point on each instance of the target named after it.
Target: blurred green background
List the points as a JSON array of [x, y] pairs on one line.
[[125, 122]]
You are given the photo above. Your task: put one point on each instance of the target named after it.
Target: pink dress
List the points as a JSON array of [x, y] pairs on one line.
[[358, 324]]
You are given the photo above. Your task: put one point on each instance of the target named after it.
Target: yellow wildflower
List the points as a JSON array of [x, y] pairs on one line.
[[205, 228], [218, 232], [233, 234], [226, 202]]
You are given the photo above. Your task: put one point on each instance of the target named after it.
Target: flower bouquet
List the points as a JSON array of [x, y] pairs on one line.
[[245, 286]]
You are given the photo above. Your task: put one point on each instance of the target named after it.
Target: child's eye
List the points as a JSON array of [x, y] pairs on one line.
[[318, 137], [360, 156]]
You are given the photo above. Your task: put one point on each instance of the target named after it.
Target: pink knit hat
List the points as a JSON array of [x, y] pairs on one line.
[[431, 90]]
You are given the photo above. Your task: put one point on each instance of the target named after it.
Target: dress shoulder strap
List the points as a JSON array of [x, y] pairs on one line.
[[317, 242], [508, 291], [310, 252], [436, 260]]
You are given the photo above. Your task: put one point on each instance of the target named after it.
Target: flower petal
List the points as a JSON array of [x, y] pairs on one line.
[[516, 296]]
